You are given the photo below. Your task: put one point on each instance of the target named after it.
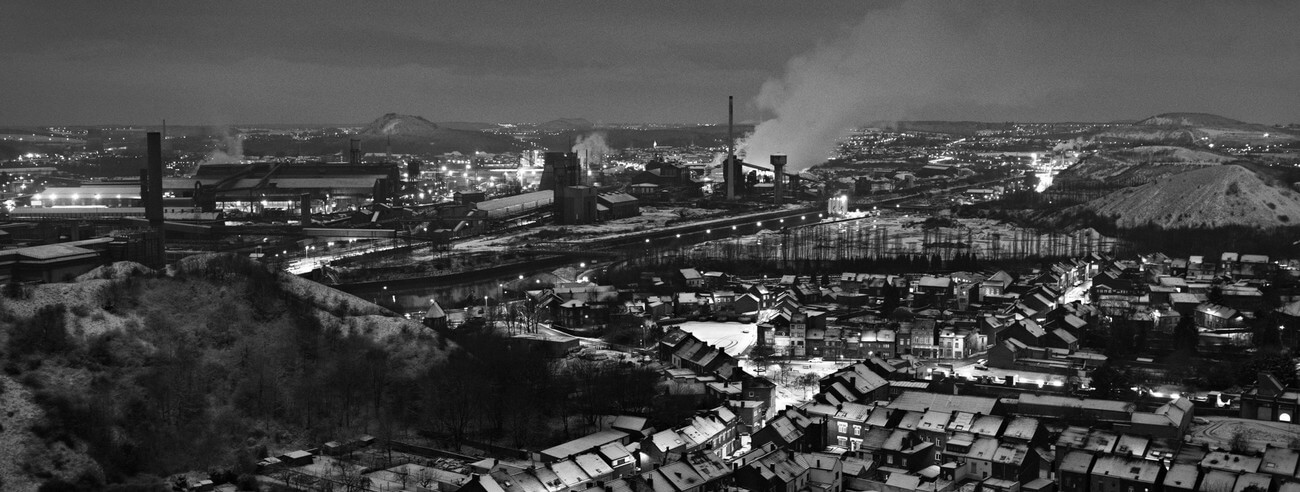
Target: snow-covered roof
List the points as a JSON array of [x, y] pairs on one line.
[[435, 311]]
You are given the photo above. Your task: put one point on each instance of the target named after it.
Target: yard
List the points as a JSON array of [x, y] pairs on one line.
[[1220, 430]]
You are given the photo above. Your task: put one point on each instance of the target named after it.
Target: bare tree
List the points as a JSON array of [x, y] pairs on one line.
[[403, 473], [424, 478]]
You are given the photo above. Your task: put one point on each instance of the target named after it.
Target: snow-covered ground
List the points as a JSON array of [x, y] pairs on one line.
[[1077, 293], [733, 338], [1219, 431], [787, 376]]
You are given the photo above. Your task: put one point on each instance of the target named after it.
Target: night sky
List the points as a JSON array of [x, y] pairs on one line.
[[528, 61]]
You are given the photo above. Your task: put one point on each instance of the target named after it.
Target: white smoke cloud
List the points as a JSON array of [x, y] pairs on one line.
[[229, 151], [918, 58], [591, 147]]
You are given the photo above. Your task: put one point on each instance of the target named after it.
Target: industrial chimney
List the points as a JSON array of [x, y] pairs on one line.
[[304, 204], [354, 151], [729, 169], [778, 167], [155, 252], [153, 203]]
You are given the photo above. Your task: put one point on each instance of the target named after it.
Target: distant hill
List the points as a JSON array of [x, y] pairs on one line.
[[1136, 166], [1198, 129], [399, 125], [619, 138], [565, 124], [1212, 196], [1191, 119], [409, 134]]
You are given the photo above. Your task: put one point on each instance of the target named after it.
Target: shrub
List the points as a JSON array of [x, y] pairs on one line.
[[15, 290], [45, 332], [247, 482]]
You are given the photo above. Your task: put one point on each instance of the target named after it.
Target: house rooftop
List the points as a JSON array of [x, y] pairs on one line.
[[1259, 480], [1223, 460], [856, 412], [1022, 428], [1181, 475], [987, 425], [1217, 481], [584, 443], [1134, 469], [682, 476], [1280, 461], [593, 465], [1077, 461], [920, 401]]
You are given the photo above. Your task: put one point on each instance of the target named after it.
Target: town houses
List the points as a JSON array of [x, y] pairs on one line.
[[892, 416]]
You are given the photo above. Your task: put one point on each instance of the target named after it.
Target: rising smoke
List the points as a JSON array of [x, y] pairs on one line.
[[230, 150], [916, 59], [591, 147]]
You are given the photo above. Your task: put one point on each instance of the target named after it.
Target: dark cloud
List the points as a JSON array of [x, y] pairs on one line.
[[335, 61]]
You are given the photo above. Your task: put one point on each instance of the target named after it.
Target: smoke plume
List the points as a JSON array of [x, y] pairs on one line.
[[229, 151], [896, 64], [591, 147]]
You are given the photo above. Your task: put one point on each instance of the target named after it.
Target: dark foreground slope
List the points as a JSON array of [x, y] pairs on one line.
[[127, 375]]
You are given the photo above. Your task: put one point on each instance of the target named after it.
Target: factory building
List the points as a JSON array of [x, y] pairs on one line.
[[575, 203], [258, 186]]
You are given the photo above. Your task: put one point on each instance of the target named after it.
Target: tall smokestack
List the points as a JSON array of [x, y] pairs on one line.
[[304, 204], [729, 170], [354, 151], [153, 208], [778, 167], [155, 250]]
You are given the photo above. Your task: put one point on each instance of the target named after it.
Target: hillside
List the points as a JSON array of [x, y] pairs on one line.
[[1136, 166], [1198, 129], [565, 124], [408, 134], [1214, 196], [399, 125], [617, 138], [127, 374]]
